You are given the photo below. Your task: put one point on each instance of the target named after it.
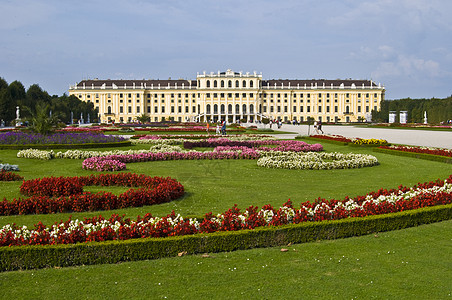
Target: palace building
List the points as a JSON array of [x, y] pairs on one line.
[[233, 97]]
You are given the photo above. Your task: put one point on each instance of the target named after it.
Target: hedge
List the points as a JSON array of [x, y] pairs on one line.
[[425, 156], [34, 257], [321, 140], [65, 146]]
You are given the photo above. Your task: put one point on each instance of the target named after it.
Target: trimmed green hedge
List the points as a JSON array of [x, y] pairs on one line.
[[426, 156], [66, 146], [34, 257], [321, 140]]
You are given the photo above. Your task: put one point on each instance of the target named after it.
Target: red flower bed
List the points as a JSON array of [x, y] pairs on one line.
[[119, 228], [424, 150], [9, 176], [65, 194]]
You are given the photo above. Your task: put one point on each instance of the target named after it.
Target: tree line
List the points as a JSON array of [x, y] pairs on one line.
[[34, 98], [438, 110]]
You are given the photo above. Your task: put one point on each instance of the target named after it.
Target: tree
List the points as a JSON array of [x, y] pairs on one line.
[[143, 118], [41, 121], [7, 106], [265, 121]]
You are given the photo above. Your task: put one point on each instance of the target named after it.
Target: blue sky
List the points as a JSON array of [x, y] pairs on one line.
[[404, 44]]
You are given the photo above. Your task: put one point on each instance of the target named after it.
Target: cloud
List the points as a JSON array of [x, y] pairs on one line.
[[407, 66]]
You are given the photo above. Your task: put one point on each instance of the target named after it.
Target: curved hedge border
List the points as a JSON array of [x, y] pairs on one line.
[[35, 257], [66, 146], [425, 156]]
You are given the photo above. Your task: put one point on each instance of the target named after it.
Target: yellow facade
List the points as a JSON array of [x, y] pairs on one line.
[[233, 97]]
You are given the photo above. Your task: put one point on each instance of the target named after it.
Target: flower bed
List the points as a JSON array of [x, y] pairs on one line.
[[238, 150], [8, 167], [65, 194], [370, 142], [315, 161], [423, 150], [119, 228], [67, 138], [240, 137], [92, 163], [354, 141], [9, 176], [295, 145]]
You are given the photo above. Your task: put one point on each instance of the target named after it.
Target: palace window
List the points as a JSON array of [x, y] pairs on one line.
[[244, 83], [215, 83], [236, 83], [138, 109], [251, 84], [229, 83], [208, 83], [222, 83]]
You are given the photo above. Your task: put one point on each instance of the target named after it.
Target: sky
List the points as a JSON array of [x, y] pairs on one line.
[[406, 45]]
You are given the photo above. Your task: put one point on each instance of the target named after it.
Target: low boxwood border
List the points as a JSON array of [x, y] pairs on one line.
[[426, 156], [35, 257], [322, 140], [66, 146]]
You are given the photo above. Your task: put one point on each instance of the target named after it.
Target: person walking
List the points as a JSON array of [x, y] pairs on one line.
[[223, 128], [319, 126]]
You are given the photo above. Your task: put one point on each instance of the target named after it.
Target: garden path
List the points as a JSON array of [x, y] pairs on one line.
[[427, 138]]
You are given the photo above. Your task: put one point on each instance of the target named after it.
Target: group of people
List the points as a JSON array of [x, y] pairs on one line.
[[220, 129], [277, 122], [318, 127]]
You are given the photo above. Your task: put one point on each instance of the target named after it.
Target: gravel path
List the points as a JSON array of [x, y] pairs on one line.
[[428, 138]]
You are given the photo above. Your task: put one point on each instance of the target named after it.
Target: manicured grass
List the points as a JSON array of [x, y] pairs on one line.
[[406, 264], [216, 185], [413, 263]]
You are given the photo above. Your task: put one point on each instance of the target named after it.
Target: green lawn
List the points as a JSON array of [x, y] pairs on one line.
[[418, 264]]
